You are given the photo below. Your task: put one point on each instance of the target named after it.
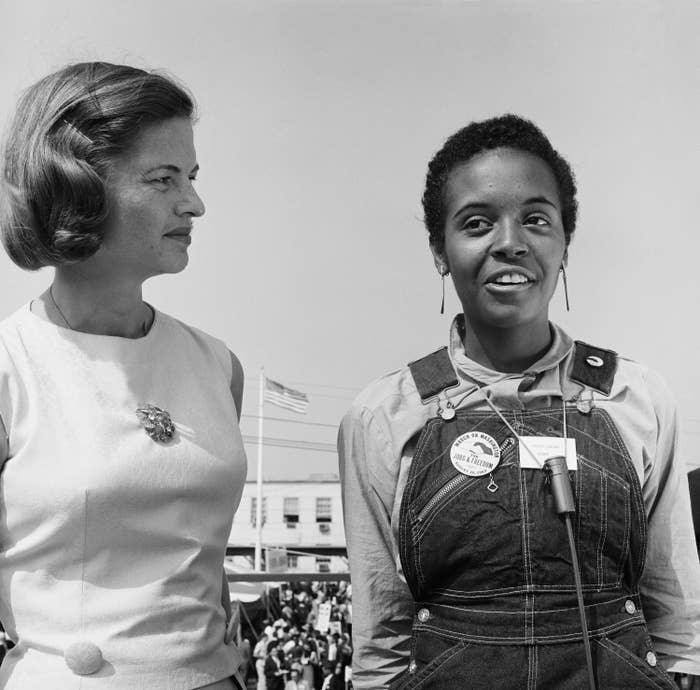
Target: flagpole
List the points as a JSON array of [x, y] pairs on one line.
[[258, 503]]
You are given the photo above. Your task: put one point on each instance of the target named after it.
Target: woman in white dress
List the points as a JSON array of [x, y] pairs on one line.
[[123, 462]]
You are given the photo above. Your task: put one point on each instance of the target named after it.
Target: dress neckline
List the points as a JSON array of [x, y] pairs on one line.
[[95, 337]]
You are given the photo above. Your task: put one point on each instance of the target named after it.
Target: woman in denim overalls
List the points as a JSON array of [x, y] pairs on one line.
[[462, 574]]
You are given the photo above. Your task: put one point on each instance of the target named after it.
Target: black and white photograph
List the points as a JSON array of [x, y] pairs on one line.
[[349, 345]]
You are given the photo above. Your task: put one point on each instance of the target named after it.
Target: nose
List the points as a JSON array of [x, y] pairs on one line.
[[509, 242], [190, 203]]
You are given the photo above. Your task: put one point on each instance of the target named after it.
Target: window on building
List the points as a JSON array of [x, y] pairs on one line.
[[323, 509], [254, 509], [290, 512], [292, 561], [323, 564]]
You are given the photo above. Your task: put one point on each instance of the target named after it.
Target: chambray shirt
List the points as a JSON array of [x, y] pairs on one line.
[[376, 444]]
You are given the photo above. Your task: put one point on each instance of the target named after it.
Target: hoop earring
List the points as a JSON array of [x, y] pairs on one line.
[[566, 287], [443, 273]]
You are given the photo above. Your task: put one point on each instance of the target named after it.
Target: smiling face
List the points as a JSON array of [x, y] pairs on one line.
[[152, 203], [504, 239]]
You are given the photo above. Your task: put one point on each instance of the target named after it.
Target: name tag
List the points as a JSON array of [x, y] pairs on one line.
[[545, 447]]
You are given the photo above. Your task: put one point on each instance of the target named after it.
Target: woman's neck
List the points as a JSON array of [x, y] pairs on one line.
[[101, 307], [509, 350]]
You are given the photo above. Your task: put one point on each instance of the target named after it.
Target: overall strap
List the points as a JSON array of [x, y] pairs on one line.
[[433, 373], [594, 367]]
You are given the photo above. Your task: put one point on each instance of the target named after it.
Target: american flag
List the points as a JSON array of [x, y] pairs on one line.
[[285, 397]]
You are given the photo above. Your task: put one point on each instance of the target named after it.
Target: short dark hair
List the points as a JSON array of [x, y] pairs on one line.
[[506, 131], [68, 128]]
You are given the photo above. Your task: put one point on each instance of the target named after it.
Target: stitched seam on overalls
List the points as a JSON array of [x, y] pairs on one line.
[[628, 536], [624, 550], [635, 487], [603, 526], [439, 662], [554, 638], [416, 556], [524, 530], [406, 504], [533, 665], [627, 662], [538, 639], [590, 607], [604, 474], [635, 490], [540, 588]]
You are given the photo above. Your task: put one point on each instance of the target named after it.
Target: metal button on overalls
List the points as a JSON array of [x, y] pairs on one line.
[[630, 607], [423, 615], [651, 658], [412, 667]]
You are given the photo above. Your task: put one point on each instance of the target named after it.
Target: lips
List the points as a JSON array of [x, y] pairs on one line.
[[179, 232], [511, 277]]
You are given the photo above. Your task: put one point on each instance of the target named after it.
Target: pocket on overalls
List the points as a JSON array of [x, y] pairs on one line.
[[434, 661], [603, 523], [447, 488], [627, 659]]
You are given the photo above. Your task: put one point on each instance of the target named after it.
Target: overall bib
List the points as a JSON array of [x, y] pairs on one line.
[[487, 558]]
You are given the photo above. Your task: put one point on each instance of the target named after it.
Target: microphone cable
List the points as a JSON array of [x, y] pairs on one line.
[[565, 506]]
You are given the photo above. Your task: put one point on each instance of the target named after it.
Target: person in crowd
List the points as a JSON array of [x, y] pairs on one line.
[[296, 682], [472, 467], [309, 659], [275, 667], [335, 680], [122, 458], [259, 654]]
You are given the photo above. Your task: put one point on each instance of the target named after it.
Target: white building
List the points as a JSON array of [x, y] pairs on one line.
[[303, 517]]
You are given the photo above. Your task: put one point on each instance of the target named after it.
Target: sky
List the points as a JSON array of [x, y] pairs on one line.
[[317, 120]]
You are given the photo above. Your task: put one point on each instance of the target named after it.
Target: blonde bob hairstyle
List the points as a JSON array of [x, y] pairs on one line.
[[67, 129]]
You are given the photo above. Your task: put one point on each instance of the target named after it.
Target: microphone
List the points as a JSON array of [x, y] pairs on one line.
[[561, 485]]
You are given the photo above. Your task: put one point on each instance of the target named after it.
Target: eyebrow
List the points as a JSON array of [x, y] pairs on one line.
[[540, 200], [480, 205], [171, 168]]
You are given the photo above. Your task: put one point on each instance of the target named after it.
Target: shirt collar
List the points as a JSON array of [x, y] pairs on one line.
[[559, 349]]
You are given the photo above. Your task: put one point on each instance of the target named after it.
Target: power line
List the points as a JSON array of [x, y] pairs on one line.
[[291, 421], [291, 443]]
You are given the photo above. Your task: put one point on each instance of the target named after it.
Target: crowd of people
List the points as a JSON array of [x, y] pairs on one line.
[[308, 645]]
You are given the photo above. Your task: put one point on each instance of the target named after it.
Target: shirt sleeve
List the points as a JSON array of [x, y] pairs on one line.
[[382, 603], [670, 585]]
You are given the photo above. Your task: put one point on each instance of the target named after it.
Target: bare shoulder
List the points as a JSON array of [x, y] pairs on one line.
[[237, 378]]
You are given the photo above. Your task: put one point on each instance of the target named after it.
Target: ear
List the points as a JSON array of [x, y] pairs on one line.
[[440, 261]]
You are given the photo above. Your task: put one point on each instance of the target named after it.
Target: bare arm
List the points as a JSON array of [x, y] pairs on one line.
[[237, 394], [4, 443], [236, 383]]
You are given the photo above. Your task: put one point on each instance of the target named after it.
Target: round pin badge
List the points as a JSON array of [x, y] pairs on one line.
[[475, 454]]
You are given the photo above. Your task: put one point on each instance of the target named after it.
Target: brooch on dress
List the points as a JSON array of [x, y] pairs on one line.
[[157, 423]]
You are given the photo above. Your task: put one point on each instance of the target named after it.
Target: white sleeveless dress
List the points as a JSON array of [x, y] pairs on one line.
[[106, 536]]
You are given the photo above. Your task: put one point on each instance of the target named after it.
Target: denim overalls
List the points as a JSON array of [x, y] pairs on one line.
[[490, 568]]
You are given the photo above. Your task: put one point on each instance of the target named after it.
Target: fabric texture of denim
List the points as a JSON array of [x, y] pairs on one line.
[[491, 572]]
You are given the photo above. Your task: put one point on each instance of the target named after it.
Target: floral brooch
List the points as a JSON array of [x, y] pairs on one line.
[[157, 423]]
